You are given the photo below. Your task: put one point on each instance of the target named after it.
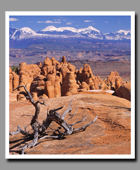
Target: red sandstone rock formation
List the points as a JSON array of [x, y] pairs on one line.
[[118, 82], [61, 79], [87, 72], [85, 75], [52, 86], [69, 84], [84, 86], [90, 83], [63, 60], [97, 82], [37, 85], [43, 96], [48, 70], [13, 80], [111, 79], [54, 62], [40, 65], [50, 79], [47, 62], [48, 67], [49, 89], [71, 67], [124, 91], [21, 97], [57, 87], [27, 73], [64, 70]]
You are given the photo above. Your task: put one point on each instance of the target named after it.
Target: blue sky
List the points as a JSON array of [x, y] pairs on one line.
[[105, 24]]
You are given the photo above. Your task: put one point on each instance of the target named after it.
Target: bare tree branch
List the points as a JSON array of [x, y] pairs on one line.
[[66, 111], [52, 115], [72, 115], [33, 143], [43, 103], [84, 127], [27, 92], [54, 137], [78, 121], [19, 130]]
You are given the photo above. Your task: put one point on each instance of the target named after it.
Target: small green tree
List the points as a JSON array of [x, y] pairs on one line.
[[15, 69]]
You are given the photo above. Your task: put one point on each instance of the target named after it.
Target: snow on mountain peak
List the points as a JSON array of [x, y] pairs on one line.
[[88, 29], [123, 31], [27, 30], [67, 32], [92, 28], [50, 28], [67, 28], [60, 29]]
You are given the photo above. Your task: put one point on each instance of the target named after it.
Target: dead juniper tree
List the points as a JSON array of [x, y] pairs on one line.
[[52, 115]]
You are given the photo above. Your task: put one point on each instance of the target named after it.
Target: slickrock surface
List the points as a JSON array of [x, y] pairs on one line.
[[109, 134]]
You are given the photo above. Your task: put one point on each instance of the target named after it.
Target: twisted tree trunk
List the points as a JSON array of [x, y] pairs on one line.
[[52, 115]]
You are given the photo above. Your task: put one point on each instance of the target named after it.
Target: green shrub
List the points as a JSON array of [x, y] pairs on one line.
[[15, 69]]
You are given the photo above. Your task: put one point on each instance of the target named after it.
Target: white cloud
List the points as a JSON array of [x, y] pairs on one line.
[[88, 20], [68, 23], [106, 22], [55, 22], [13, 19]]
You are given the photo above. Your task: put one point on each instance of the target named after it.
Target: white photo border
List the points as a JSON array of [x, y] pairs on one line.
[[70, 13]]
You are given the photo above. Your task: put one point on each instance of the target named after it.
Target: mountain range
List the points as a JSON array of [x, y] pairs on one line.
[[67, 32]]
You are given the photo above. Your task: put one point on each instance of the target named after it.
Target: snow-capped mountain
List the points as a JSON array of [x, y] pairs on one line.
[[60, 29], [89, 32], [67, 32], [22, 33], [119, 35]]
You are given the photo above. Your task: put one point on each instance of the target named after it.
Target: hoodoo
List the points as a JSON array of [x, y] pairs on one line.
[[56, 79]]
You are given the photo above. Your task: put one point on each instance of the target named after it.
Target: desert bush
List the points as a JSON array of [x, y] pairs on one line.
[[15, 69]]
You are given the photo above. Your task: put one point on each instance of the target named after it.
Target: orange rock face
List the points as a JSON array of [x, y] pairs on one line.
[[13, 80], [47, 67], [40, 65], [84, 86], [27, 74], [118, 82], [57, 87], [20, 97], [85, 75], [47, 62], [69, 84], [37, 85], [49, 89], [54, 62], [63, 60], [109, 134], [55, 79], [111, 79], [86, 72], [124, 91]]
